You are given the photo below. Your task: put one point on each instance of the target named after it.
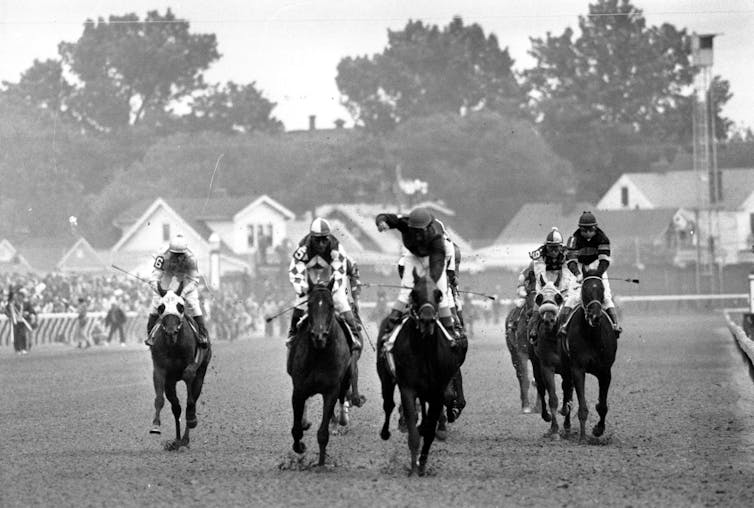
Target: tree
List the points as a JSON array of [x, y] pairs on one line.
[[426, 70], [485, 165], [618, 84], [124, 71], [233, 107]]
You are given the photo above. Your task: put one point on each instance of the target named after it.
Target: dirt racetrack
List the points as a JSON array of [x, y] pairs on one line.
[[679, 432]]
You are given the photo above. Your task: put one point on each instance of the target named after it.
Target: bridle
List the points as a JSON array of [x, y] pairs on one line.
[[586, 305]]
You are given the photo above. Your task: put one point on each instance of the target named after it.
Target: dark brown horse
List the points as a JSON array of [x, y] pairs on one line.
[[425, 362], [591, 346], [173, 353], [549, 353], [522, 352], [320, 363]]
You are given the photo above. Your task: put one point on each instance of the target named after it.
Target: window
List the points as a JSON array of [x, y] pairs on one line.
[[250, 235], [624, 196], [166, 232]]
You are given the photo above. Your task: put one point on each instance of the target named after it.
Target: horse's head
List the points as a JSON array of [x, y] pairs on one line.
[[171, 310], [321, 312], [592, 295], [548, 299], [425, 299]]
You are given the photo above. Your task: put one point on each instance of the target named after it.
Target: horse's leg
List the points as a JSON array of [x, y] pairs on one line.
[[298, 399], [175, 405], [579, 375], [158, 380], [604, 383], [428, 432], [541, 389], [356, 398], [193, 394], [323, 434], [442, 430], [344, 401], [567, 387], [548, 376], [387, 384], [408, 402], [460, 401]]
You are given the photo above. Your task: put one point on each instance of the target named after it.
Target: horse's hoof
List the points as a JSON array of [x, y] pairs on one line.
[[598, 430], [155, 430], [441, 435], [299, 447], [192, 423], [358, 401], [306, 425], [385, 435], [526, 410], [546, 417], [566, 409]]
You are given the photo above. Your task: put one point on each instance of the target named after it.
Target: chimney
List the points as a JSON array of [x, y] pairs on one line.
[[312, 122]]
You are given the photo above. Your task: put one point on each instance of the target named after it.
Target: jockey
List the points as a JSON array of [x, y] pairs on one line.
[[424, 239], [321, 245], [547, 262], [177, 263], [353, 290], [589, 250], [523, 288]]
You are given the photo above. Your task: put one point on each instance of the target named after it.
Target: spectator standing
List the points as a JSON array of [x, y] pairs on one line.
[[23, 319], [115, 321], [81, 336]]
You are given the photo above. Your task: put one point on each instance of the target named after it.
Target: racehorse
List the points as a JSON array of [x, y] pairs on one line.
[[425, 362], [522, 351], [591, 345], [173, 353], [320, 363], [549, 352]]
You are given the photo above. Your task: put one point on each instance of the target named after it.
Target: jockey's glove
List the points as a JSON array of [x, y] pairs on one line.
[[155, 286], [522, 292]]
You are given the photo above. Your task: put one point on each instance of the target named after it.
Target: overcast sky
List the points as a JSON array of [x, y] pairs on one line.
[[291, 49]]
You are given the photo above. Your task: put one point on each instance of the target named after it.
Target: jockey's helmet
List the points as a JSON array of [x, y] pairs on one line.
[[587, 219], [319, 227], [419, 218], [178, 244], [554, 237]]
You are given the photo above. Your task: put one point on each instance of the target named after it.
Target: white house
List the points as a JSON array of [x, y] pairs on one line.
[[730, 222]]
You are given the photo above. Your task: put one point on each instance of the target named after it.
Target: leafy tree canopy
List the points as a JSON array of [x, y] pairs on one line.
[[426, 70], [125, 71], [617, 84]]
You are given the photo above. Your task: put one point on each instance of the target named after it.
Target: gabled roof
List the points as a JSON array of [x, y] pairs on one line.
[[533, 222], [81, 257], [44, 254], [682, 189], [200, 228], [267, 200]]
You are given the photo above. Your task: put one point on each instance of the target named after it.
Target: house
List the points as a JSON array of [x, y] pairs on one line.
[[248, 229], [729, 222], [637, 237], [11, 261]]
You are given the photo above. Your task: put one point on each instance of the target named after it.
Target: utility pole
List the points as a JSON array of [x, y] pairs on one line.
[[705, 162]]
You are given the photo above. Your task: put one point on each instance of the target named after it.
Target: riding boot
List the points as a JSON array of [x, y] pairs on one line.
[[151, 321], [203, 336], [348, 317], [447, 323], [295, 318], [564, 315], [460, 317], [611, 312], [533, 325]]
